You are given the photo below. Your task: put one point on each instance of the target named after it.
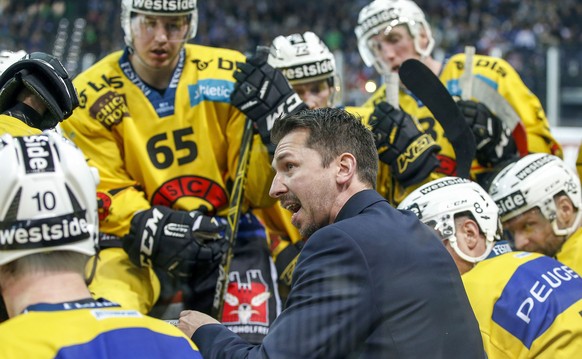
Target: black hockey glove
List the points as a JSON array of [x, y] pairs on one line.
[[401, 143], [45, 76], [493, 138], [263, 93], [178, 242]]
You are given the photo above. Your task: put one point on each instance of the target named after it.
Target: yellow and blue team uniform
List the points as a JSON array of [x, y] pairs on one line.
[[91, 329], [178, 148], [571, 252], [528, 305], [500, 76]]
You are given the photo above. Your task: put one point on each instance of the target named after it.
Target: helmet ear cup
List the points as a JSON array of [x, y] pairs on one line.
[[48, 197]]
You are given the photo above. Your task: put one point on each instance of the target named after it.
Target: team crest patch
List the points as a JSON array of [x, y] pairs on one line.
[[246, 307]]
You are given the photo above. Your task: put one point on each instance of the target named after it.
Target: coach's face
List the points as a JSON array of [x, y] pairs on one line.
[[302, 184]]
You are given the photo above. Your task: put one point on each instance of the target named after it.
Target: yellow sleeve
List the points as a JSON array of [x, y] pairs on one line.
[[115, 278], [16, 127]]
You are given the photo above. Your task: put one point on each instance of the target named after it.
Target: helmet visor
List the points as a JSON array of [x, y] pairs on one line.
[[149, 27]]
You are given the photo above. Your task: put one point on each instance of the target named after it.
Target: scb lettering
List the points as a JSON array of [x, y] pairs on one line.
[[539, 292]]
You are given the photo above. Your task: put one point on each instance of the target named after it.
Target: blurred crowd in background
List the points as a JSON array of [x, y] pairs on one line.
[[520, 31]]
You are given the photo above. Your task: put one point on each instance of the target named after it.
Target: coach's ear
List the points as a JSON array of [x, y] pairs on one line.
[[45, 77], [346, 168]]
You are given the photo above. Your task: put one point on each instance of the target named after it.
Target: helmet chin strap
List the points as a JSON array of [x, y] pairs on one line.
[[567, 232], [489, 246]]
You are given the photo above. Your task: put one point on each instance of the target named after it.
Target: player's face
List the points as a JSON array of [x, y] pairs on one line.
[[316, 94], [157, 40], [532, 232], [302, 184], [393, 47]]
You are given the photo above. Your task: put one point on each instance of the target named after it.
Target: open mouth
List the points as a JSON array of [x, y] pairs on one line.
[[292, 207]]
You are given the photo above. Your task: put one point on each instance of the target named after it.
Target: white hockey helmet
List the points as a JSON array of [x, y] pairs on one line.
[[158, 8], [8, 58], [381, 16], [533, 181], [437, 202], [302, 58], [48, 197]]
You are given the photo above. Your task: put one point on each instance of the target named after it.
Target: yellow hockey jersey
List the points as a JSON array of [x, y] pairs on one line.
[[527, 305], [178, 148], [91, 329], [502, 78], [571, 252]]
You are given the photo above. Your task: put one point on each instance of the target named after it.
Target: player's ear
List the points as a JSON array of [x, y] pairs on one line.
[[565, 211], [470, 231]]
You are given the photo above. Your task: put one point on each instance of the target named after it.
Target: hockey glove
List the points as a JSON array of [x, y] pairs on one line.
[[178, 242], [402, 144], [263, 94], [494, 141], [45, 76]]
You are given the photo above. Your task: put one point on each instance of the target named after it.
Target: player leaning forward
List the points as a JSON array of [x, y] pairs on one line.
[[49, 229], [156, 119]]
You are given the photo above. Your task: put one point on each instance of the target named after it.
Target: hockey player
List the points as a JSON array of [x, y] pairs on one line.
[[309, 66], [156, 119], [527, 304], [49, 229], [540, 200], [36, 93], [498, 107]]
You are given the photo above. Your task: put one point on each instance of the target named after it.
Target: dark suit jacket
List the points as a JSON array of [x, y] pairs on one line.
[[377, 283]]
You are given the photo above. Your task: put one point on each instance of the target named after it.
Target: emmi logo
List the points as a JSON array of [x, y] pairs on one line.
[[511, 202]]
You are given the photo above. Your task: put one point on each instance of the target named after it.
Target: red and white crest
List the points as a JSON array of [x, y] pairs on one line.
[[246, 302]]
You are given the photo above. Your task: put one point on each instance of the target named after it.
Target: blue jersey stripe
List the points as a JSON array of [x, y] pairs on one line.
[[130, 343], [538, 292]]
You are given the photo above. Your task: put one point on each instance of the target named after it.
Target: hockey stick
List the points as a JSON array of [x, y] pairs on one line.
[[233, 216], [467, 76], [425, 85], [236, 197], [392, 82]]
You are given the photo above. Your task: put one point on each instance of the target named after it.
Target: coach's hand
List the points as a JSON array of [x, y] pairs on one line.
[[178, 242], [263, 93], [402, 144], [492, 136]]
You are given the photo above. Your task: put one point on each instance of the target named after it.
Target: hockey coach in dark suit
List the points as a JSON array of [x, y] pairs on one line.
[[371, 281]]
